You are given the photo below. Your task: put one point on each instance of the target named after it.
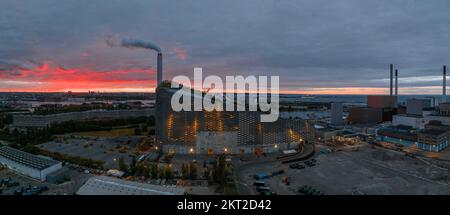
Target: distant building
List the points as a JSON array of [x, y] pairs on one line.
[[103, 185], [415, 121], [380, 108], [42, 121], [336, 114], [416, 106], [400, 135], [434, 140], [445, 120], [28, 164], [326, 133], [381, 101], [444, 109], [434, 137], [364, 115]]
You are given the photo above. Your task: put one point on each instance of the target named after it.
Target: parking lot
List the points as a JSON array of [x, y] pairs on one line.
[[108, 150]]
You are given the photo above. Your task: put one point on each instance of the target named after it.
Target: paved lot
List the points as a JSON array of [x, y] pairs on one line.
[[365, 170], [108, 150]]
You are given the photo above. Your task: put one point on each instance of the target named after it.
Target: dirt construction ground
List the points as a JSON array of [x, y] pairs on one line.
[[365, 170]]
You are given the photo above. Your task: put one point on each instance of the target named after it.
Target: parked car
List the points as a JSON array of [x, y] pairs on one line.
[[263, 189], [259, 183]]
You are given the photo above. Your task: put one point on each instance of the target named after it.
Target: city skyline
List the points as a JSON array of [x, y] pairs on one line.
[[318, 47]]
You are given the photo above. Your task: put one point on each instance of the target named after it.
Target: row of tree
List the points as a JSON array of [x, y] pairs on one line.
[[140, 169], [220, 170], [55, 108], [98, 125], [37, 136], [5, 119], [144, 129], [189, 171]]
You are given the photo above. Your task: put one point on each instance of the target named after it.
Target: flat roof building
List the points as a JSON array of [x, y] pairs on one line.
[[362, 115], [414, 121], [416, 106], [381, 101], [400, 135], [103, 185], [336, 114], [434, 140], [28, 164]]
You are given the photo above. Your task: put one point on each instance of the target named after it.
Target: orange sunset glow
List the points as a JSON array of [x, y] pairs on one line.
[[50, 78]]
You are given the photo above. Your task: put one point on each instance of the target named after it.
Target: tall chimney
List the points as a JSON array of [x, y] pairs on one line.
[[390, 86], [159, 74], [444, 84], [396, 82]]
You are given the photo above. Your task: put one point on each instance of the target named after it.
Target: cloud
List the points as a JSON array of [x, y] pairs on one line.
[[317, 44], [180, 52], [48, 77]]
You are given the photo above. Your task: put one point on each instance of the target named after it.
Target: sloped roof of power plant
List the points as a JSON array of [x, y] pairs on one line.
[[26, 159], [103, 185]]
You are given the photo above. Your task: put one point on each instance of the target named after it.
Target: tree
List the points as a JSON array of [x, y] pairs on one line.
[[133, 165], [184, 171], [151, 121], [151, 132], [154, 171], [169, 172], [206, 174], [137, 131], [122, 166], [161, 173], [146, 171], [142, 170], [144, 128], [192, 171], [220, 171]]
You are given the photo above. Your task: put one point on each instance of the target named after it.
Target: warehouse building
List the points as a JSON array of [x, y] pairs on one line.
[[435, 137], [399, 135], [103, 185], [433, 140], [28, 164]]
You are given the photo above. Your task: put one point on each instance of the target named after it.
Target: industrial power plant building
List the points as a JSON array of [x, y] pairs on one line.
[[28, 164], [216, 132]]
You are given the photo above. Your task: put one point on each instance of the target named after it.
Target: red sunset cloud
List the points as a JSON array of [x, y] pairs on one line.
[[181, 53], [50, 78]]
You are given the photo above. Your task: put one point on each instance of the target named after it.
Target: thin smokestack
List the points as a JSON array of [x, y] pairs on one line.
[[130, 43], [391, 77], [159, 74], [444, 84], [396, 82]]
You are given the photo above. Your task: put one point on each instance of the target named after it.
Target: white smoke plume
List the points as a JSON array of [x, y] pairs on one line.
[[131, 43]]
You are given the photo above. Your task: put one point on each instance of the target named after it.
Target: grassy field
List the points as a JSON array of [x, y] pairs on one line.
[[113, 133]]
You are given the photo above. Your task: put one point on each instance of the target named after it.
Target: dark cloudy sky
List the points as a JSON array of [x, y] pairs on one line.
[[315, 46]]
